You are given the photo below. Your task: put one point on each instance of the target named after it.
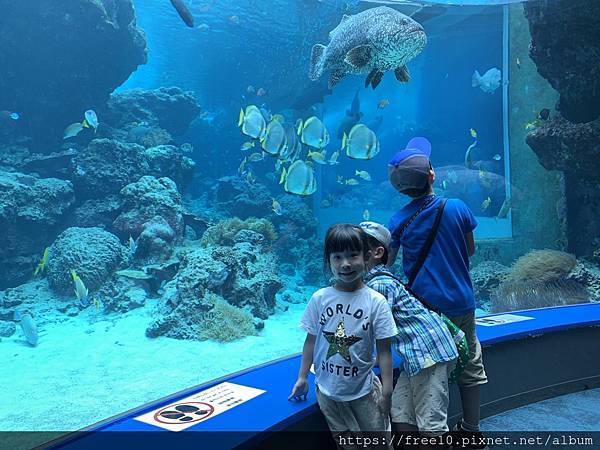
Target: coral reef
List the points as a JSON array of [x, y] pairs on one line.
[[156, 240], [58, 38], [148, 136], [543, 278], [542, 266], [588, 275], [105, 166], [225, 232], [570, 147], [169, 108], [125, 293], [7, 328], [146, 199], [565, 46], [96, 212], [169, 161], [487, 277], [32, 211], [225, 323], [238, 198], [209, 317], [53, 165], [92, 252], [246, 279], [574, 149]]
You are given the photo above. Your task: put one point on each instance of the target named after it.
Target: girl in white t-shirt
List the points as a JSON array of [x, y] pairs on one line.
[[344, 323]]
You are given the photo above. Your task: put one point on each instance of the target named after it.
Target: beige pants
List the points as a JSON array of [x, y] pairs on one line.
[[357, 418], [422, 400], [474, 373]]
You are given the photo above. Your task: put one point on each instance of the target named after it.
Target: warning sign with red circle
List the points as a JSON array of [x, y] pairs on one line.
[[200, 407]]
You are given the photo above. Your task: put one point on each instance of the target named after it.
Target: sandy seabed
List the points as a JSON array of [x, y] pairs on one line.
[[93, 366]]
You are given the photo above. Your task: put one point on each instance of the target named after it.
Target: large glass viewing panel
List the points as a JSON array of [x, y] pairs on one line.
[[167, 175]]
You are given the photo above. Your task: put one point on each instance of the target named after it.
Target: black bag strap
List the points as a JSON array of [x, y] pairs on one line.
[[425, 204], [408, 289], [428, 242]]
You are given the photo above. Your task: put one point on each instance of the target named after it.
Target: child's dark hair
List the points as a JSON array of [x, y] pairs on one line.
[[344, 237], [374, 243]]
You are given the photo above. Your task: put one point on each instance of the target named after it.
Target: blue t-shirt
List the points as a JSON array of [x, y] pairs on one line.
[[444, 279]]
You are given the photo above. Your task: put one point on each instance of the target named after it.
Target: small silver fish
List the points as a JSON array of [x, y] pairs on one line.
[[28, 326]]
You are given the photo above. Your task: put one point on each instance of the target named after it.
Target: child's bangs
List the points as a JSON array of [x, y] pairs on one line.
[[344, 238]]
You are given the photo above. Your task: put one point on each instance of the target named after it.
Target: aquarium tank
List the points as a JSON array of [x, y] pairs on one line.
[[168, 169]]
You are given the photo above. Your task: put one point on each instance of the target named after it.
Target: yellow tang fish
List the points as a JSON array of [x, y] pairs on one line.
[[242, 166], [318, 157], [81, 292], [277, 209], [363, 174], [247, 146], [255, 157], [383, 103], [473, 132], [486, 204], [42, 264]]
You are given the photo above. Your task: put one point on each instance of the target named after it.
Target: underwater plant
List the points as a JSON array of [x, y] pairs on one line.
[[542, 266], [223, 232], [225, 322]]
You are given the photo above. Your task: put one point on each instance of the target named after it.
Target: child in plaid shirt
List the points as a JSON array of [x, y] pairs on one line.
[[420, 398]]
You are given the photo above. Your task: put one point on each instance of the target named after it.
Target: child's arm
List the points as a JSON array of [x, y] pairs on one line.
[[384, 355], [470, 243], [300, 389]]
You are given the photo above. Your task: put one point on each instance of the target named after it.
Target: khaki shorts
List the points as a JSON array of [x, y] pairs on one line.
[[356, 416], [422, 400], [474, 373]]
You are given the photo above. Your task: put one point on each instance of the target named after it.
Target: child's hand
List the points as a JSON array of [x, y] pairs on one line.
[[385, 404], [300, 390]]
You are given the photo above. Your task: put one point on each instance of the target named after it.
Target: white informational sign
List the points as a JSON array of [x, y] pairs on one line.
[[199, 407], [501, 319]]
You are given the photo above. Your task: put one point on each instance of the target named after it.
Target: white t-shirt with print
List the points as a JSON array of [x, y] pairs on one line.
[[346, 325]]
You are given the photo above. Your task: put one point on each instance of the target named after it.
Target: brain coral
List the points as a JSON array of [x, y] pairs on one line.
[[92, 252]]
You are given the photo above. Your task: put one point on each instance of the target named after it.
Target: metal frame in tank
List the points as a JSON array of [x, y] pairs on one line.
[[490, 227]]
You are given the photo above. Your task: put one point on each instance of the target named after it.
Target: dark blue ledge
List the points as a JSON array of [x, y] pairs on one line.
[[272, 411]]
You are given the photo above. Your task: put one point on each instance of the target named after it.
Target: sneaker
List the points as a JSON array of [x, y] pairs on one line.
[[462, 438]]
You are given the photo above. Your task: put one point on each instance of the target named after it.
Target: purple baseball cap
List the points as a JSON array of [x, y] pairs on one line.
[[409, 168]]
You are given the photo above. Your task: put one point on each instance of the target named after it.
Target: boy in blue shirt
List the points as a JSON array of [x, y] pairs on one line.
[[444, 279]]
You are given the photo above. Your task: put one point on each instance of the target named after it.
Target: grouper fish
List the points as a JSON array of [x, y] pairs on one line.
[[369, 43]]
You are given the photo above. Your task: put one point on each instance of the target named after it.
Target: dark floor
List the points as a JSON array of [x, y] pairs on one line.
[[574, 412]]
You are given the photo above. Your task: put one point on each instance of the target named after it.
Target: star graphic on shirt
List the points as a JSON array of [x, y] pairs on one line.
[[339, 342]]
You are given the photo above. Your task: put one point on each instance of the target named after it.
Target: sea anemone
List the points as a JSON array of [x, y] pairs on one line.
[[541, 266]]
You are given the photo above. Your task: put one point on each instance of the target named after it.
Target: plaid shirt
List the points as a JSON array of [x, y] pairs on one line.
[[423, 339]]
